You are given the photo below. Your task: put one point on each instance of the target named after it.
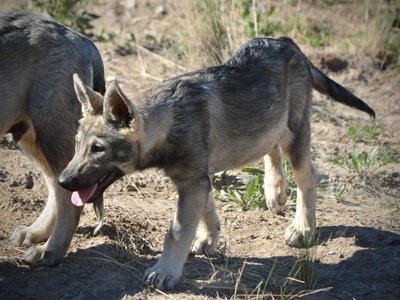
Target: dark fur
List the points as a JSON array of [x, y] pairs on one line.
[[39, 107]]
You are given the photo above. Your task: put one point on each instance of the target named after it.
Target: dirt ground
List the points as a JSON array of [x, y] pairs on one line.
[[358, 253]]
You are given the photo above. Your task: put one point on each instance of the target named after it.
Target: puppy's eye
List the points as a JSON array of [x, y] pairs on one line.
[[97, 148]]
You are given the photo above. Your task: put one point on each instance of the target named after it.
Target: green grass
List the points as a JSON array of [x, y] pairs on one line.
[[258, 24], [250, 194], [315, 32], [247, 192], [366, 164], [364, 132], [72, 13], [251, 197], [305, 266], [340, 192]]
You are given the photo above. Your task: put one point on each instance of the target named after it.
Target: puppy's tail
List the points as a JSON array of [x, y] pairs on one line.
[[327, 86]]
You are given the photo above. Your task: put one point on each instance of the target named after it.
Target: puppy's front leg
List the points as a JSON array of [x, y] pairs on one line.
[[191, 204]]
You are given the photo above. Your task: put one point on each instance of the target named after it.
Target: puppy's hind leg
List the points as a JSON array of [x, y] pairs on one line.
[[275, 185], [299, 233], [98, 207], [208, 231]]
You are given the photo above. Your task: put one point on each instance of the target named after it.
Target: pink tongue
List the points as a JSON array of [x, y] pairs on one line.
[[79, 198]]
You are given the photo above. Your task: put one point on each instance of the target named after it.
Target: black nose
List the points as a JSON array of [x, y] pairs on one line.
[[66, 182]]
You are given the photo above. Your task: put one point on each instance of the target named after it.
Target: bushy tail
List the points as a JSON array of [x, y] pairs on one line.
[[325, 85]]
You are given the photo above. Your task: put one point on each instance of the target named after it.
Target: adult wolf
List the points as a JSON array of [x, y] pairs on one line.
[[199, 123], [39, 107]]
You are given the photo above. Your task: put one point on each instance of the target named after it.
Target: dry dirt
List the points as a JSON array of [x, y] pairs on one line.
[[358, 254]]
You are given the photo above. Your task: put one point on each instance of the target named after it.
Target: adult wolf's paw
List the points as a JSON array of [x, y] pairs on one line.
[[34, 255], [27, 236], [299, 237], [161, 278], [37, 255]]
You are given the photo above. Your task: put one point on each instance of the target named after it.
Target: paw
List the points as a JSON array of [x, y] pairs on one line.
[[98, 227], [98, 207], [34, 255], [161, 278], [275, 196], [26, 236], [299, 237], [204, 245], [39, 256]]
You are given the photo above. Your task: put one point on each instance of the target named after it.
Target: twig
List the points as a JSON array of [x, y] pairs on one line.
[[162, 59], [296, 18]]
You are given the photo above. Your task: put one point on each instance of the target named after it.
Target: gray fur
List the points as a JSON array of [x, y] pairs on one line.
[[211, 120], [38, 57]]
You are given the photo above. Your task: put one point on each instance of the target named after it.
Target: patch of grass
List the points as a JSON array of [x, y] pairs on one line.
[[251, 197], [381, 39], [364, 132], [366, 164], [211, 31], [259, 23], [315, 32], [305, 265], [246, 192], [72, 13], [340, 192]]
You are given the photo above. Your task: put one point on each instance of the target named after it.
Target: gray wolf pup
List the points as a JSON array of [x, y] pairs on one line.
[[199, 123], [38, 57]]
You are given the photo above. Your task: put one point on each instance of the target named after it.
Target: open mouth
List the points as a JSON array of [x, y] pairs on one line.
[[88, 195]]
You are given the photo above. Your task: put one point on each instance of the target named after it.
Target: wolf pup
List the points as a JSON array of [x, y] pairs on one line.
[[203, 122], [39, 107]]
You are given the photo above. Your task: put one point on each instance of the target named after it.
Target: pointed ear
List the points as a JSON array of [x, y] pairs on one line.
[[90, 100], [118, 109]]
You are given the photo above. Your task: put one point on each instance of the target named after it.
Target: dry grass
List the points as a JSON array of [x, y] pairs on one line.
[[210, 30], [381, 36]]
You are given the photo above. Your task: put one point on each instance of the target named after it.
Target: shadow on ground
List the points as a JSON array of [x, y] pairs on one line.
[[108, 272]]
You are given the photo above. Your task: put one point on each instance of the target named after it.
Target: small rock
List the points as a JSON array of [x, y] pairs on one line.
[[161, 10], [111, 78], [334, 63], [29, 182], [131, 188]]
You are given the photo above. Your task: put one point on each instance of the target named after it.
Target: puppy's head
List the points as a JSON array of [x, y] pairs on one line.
[[107, 142]]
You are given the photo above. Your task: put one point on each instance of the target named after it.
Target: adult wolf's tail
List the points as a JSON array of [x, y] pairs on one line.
[[325, 85]]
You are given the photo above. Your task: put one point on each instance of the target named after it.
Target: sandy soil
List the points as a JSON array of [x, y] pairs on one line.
[[358, 253]]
